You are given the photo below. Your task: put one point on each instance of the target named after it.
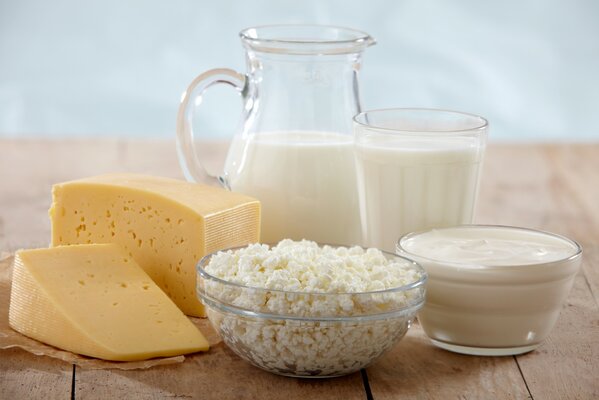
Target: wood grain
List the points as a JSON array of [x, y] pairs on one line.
[[218, 374], [25, 376], [551, 187], [590, 268], [417, 370]]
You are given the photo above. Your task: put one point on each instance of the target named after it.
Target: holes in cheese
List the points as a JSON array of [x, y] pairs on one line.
[[87, 300], [166, 225]]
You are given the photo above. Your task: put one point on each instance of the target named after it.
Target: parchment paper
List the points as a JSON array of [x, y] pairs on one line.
[[10, 338]]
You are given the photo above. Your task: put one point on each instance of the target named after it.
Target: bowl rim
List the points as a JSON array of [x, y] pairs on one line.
[[577, 251], [411, 305], [420, 282]]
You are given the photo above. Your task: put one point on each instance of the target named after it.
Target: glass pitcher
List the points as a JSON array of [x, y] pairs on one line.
[[293, 149]]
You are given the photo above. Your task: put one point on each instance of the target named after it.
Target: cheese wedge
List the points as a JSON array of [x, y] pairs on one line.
[[166, 225], [96, 301]]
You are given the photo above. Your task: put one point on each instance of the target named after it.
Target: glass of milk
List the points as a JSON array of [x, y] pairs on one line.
[[416, 169], [492, 290]]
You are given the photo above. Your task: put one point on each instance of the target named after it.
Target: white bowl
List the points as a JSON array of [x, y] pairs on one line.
[[486, 307]]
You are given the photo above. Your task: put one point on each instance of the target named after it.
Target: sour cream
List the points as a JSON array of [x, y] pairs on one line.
[[492, 290]]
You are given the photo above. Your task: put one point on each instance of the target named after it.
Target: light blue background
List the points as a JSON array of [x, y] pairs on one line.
[[118, 68]]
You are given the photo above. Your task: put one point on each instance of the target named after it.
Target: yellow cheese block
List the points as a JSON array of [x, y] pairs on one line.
[[96, 301], [166, 225]]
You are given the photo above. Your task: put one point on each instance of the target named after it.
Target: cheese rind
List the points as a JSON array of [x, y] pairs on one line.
[[96, 301], [166, 225]]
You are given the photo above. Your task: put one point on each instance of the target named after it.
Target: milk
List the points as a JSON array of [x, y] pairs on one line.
[[409, 184], [305, 181], [492, 290]]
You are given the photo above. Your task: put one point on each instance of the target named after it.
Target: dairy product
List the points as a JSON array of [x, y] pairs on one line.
[[305, 267], [96, 301], [408, 184], [492, 290], [166, 225], [311, 294], [305, 181], [488, 247]]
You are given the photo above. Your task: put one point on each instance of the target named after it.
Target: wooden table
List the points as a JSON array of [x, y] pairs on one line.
[[552, 187]]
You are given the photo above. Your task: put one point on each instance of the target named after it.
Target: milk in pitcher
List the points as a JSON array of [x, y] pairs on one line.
[[305, 181]]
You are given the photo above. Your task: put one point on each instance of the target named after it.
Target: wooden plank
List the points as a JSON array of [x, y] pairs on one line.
[[28, 168], [159, 157], [511, 180], [566, 366], [415, 369], [26, 376], [551, 187], [538, 187], [218, 374], [590, 270], [579, 174], [576, 190]]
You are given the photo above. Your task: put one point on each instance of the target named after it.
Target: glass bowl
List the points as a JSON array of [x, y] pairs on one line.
[[493, 302], [309, 334]]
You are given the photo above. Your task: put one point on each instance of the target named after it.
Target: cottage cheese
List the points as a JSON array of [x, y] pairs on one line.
[[303, 280]]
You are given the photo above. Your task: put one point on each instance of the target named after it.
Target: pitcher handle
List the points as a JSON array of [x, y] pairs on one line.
[[192, 166]]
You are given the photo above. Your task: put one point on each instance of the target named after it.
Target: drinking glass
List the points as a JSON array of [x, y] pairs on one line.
[[416, 169]]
